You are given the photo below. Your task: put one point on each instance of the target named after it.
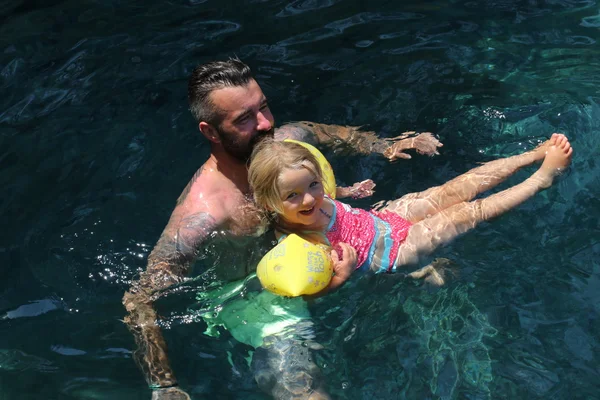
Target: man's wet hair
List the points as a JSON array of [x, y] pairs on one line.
[[212, 76]]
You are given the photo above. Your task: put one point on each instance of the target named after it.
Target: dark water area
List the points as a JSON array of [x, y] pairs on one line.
[[96, 144]]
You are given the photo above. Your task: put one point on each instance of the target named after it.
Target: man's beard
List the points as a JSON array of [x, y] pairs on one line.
[[242, 151]]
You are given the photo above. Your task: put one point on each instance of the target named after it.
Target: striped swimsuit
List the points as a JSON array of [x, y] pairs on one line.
[[375, 235]]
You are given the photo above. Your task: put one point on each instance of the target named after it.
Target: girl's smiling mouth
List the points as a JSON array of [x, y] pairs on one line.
[[308, 212]]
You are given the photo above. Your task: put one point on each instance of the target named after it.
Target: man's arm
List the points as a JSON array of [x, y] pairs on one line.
[[168, 263], [361, 142]]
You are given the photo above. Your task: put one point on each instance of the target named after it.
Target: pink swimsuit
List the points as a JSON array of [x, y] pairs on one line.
[[376, 236]]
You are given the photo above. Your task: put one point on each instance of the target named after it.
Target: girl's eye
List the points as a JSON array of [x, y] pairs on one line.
[[291, 195], [313, 184]]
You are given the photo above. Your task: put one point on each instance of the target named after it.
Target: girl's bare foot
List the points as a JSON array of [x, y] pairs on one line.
[[558, 157], [539, 153]]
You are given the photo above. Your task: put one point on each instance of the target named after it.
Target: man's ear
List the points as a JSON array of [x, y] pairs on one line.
[[209, 132]]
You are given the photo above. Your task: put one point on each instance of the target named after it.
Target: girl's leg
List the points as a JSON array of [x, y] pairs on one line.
[[415, 207], [427, 235]]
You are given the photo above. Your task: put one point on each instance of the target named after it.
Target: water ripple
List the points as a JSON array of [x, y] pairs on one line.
[[301, 6], [16, 360], [336, 28], [97, 143], [425, 46]]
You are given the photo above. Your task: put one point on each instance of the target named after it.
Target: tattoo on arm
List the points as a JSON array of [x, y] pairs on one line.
[[297, 131], [168, 262], [193, 230], [170, 259], [347, 139]]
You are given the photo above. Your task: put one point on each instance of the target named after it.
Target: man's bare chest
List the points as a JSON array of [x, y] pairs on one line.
[[245, 217]]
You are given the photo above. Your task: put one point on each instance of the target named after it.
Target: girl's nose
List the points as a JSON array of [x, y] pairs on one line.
[[309, 200]]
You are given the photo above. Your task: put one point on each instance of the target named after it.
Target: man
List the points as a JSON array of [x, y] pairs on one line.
[[232, 114]]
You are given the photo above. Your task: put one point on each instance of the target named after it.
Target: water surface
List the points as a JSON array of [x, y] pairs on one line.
[[96, 143]]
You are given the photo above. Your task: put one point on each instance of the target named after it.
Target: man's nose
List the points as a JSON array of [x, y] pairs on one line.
[[263, 123]]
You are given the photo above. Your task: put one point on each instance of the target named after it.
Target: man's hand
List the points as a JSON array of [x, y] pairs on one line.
[[359, 190], [424, 143], [172, 393]]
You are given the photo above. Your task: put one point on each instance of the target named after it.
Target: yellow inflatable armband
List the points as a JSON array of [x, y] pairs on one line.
[[328, 177], [295, 267]]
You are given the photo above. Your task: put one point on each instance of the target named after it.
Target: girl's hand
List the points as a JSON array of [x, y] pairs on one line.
[[359, 190], [343, 266]]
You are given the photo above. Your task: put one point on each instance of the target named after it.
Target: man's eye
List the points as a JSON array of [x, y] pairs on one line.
[[264, 106]]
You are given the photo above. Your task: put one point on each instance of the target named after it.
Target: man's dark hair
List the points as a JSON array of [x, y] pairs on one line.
[[211, 76]]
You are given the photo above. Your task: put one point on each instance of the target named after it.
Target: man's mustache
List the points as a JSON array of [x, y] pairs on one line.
[[259, 135]]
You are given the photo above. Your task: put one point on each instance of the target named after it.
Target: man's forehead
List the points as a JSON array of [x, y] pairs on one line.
[[234, 98]]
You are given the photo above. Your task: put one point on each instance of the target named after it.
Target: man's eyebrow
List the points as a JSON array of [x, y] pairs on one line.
[[242, 115], [263, 102]]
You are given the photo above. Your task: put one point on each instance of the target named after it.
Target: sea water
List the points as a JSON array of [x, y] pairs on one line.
[[97, 143]]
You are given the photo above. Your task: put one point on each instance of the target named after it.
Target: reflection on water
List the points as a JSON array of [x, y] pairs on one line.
[[97, 143]]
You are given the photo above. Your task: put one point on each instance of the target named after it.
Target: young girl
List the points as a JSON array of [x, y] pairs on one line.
[[286, 181]]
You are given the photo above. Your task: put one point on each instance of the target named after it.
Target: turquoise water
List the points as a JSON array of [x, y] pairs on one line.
[[96, 143]]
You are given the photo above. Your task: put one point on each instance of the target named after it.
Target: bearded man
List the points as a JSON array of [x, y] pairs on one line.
[[233, 115]]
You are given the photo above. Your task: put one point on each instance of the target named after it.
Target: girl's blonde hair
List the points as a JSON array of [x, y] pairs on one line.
[[269, 159]]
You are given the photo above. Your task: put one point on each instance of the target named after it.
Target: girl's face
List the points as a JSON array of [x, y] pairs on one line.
[[301, 195]]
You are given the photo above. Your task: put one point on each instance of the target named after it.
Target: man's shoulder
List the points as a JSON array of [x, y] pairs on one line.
[[205, 184], [203, 195], [208, 210], [222, 210]]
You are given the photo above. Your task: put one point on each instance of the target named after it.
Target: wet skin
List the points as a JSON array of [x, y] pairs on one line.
[[217, 200]]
